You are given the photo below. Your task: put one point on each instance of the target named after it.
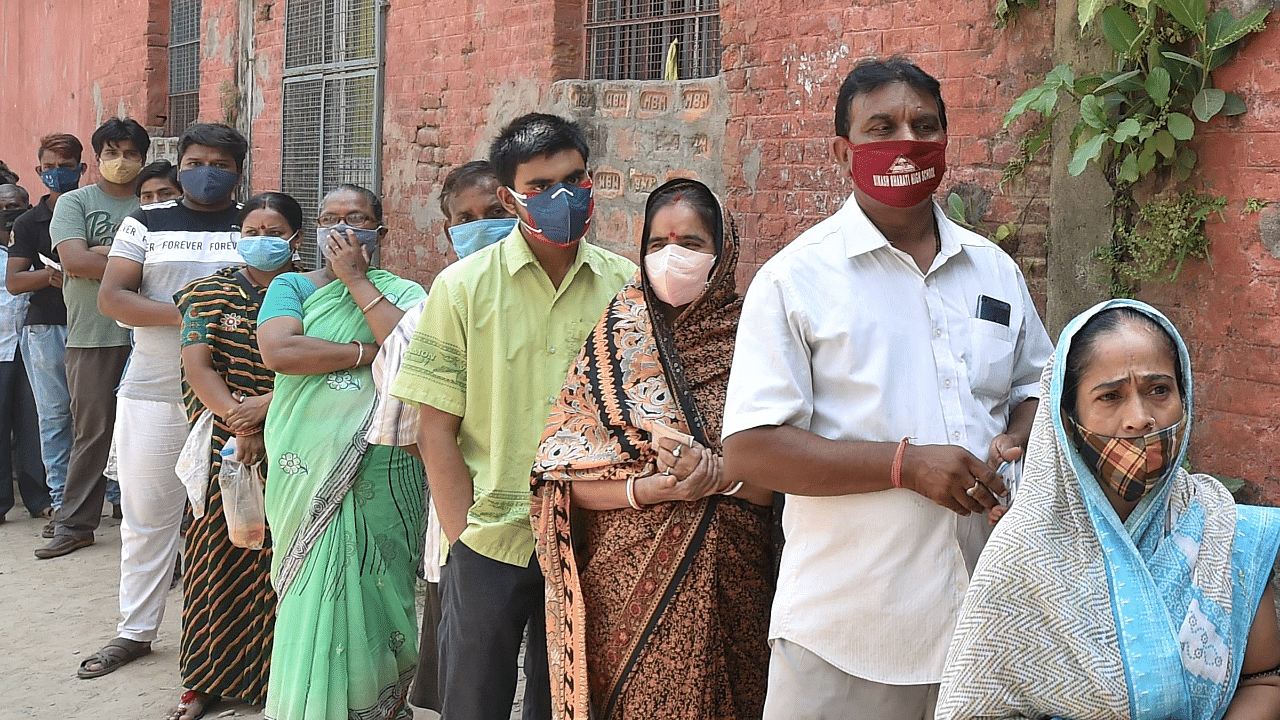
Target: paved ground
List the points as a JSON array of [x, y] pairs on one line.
[[57, 612]]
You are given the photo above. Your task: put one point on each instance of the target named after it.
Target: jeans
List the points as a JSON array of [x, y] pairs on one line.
[[18, 416], [44, 349]]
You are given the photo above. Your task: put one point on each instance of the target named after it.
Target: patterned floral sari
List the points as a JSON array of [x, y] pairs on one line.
[[659, 612], [1073, 613]]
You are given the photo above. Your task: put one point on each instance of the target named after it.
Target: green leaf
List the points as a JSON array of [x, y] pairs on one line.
[[1085, 153], [1232, 485], [1117, 80], [1146, 160], [1185, 163], [1047, 101], [1207, 103], [1190, 13], [1157, 85], [1244, 26], [1061, 76], [1120, 31], [1181, 126], [1127, 129], [955, 209], [1233, 105], [1002, 233], [1088, 9], [1148, 129], [1162, 142], [1217, 26], [1022, 104], [1182, 58], [1092, 112], [1128, 169]]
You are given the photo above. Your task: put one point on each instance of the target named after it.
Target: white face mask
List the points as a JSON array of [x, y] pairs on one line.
[[677, 274]]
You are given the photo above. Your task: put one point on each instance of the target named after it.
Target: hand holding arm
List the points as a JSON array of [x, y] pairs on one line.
[[81, 261], [286, 350]]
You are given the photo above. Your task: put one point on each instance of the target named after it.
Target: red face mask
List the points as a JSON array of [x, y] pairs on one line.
[[900, 173]]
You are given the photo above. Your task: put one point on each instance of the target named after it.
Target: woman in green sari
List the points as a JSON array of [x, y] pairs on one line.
[[345, 515]]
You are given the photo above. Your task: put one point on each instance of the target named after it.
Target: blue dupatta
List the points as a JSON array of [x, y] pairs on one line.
[[1073, 614]]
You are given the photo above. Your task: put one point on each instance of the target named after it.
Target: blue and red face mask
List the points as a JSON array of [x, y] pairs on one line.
[[561, 214]]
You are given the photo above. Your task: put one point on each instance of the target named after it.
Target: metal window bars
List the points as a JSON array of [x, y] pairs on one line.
[[629, 39], [184, 65], [331, 104]]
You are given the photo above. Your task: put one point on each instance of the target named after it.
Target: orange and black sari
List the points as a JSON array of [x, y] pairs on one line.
[[664, 611]]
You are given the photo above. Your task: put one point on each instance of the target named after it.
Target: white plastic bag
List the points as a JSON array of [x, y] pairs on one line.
[[193, 463], [243, 504]]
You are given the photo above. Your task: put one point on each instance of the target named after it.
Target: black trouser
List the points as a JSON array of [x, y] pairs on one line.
[[486, 606], [92, 377], [18, 421], [426, 684]]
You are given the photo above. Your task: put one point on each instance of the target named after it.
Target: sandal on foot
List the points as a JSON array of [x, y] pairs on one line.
[[115, 654], [193, 699]]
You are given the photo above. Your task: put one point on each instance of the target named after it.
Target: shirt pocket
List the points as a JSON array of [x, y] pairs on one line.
[[990, 358]]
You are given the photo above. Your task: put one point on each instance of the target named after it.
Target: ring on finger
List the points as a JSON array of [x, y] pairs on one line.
[[974, 489], [677, 451]]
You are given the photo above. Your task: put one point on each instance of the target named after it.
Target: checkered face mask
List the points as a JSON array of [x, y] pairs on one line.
[[1129, 466]]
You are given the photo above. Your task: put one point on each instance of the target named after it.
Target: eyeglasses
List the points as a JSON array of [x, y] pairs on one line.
[[354, 219]]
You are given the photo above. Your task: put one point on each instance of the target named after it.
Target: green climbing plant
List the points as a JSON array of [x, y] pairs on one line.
[[1138, 117]]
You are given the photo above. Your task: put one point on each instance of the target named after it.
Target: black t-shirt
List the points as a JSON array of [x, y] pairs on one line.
[[30, 239]]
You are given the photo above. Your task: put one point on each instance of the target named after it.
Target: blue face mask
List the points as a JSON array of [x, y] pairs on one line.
[[367, 238], [470, 237], [61, 179], [263, 252], [562, 212], [207, 184]]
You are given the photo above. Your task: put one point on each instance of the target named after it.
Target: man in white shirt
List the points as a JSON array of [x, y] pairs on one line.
[[886, 361]]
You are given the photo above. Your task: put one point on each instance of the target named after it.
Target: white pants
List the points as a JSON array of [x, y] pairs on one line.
[[149, 436], [803, 686]]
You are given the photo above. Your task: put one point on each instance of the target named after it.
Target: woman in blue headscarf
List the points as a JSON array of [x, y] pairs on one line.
[[1118, 585]]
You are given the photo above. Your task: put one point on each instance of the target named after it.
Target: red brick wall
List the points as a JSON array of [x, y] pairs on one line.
[[95, 67], [1227, 311]]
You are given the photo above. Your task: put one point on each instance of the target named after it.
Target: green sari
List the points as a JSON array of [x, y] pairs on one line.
[[346, 518]]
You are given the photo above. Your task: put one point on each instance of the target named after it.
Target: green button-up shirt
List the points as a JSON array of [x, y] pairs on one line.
[[494, 347]]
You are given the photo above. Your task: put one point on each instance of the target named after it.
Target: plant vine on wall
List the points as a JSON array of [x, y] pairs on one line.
[[1137, 121]]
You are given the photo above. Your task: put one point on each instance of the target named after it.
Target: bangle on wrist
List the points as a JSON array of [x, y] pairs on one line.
[[895, 473], [360, 357], [631, 493], [734, 490], [373, 302]]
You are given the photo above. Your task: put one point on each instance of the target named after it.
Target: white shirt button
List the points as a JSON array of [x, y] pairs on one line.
[[937, 332], [946, 383], [551, 400], [955, 436], [553, 350]]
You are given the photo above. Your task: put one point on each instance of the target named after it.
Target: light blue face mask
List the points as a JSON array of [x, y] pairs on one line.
[[263, 252], [470, 237]]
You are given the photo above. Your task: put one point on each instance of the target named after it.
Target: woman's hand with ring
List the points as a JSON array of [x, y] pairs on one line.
[[681, 464], [347, 258], [251, 448]]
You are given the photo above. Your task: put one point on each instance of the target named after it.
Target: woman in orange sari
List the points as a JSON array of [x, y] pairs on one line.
[[659, 574]]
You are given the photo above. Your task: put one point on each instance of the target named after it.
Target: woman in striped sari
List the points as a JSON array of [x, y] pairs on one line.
[[346, 516], [229, 608]]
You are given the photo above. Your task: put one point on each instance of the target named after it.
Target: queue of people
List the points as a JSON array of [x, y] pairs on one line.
[[680, 501]]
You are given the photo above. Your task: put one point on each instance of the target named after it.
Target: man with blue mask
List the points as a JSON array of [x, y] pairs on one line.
[[157, 250], [474, 219], [44, 330], [490, 355]]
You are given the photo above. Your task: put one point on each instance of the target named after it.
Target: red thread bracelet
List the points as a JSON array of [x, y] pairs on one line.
[[896, 471]]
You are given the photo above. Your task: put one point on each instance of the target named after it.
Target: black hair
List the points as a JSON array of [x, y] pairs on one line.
[[872, 73], [1085, 344], [533, 136], [22, 192], [7, 176], [215, 135], [465, 176], [278, 201], [119, 129], [694, 194], [157, 169], [375, 202]]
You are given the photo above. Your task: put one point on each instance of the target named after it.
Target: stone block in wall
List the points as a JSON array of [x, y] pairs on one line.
[[643, 133], [163, 148]]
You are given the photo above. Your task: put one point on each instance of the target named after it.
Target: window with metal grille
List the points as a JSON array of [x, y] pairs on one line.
[[332, 105], [630, 39], [184, 64]]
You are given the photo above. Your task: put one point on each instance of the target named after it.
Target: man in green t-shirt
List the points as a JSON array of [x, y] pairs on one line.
[[490, 355], [83, 225]]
